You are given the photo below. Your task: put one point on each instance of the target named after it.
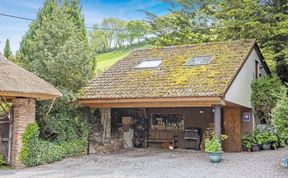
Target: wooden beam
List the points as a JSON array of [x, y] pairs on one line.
[[28, 95]]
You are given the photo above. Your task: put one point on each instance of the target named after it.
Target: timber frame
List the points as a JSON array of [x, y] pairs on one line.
[[207, 101]]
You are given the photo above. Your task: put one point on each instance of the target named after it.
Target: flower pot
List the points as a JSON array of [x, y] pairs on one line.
[[266, 146], [244, 148], [215, 157], [256, 147]]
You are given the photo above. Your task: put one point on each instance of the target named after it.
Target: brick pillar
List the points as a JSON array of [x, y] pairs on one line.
[[23, 114], [106, 122]]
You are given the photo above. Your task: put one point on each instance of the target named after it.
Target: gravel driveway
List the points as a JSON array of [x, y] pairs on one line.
[[152, 163]]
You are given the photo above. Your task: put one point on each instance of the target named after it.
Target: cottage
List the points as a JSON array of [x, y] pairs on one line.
[[21, 89], [177, 88]]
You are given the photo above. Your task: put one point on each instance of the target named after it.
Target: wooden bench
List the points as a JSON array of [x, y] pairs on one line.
[[159, 141]]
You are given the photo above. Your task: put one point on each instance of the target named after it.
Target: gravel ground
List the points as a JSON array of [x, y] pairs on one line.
[[154, 163]]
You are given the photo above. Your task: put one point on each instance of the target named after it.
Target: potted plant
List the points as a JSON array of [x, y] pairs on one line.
[[267, 138], [263, 138], [213, 147], [274, 141], [285, 162], [247, 141]]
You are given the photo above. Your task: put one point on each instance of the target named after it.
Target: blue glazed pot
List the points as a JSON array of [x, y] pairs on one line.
[[215, 157]]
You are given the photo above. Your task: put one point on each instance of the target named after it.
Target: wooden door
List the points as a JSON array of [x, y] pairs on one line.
[[232, 128], [6, 136]]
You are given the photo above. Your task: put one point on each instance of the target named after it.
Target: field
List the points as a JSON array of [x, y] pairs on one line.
[[105, 60]]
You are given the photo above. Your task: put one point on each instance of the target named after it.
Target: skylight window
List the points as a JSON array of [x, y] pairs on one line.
[[149, 64], [199, 60]]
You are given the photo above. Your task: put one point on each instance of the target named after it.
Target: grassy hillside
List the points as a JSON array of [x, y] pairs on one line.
[[105, 60]]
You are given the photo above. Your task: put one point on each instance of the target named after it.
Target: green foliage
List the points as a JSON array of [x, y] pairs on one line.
[[111, 35], [7, 50], [280, 118], [187, 24], [266, 137], [213, 144], [137, 30], [265, 93], [2, 160], [36, 151], [73, 8], [56, 49], [248, 140], [63, 59], [115, 33]]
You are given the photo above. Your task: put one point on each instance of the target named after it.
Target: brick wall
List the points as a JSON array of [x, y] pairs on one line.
[[23, 114]]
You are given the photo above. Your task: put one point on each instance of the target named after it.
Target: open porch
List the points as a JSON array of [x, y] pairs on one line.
[[168, 120]]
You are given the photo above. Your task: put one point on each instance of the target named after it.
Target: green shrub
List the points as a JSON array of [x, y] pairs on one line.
[[2, 160], [36, 151], [248, 140], [266, 137], [265, 93], [280, 118]]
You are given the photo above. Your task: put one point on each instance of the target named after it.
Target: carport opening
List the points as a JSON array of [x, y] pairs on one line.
[[162, 127]]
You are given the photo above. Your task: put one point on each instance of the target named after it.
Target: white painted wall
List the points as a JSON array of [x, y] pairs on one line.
[[240, 90]]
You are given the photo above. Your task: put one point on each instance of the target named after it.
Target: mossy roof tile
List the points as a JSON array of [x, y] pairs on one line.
[[172, 78]]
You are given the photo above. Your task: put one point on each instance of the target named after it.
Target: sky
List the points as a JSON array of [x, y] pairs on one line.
[[94, 11]]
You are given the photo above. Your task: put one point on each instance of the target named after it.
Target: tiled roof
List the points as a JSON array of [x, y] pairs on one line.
[[172, 78]]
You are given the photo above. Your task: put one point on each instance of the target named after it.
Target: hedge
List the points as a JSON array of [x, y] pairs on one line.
[[36, 151]]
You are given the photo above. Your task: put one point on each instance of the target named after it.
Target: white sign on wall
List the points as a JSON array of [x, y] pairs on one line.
[[246, 117]]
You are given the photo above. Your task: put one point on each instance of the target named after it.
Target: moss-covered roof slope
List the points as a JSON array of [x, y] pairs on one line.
[[172, 78]]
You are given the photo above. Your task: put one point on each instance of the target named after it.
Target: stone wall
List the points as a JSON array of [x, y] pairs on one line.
[[106, 122], [23, 114]]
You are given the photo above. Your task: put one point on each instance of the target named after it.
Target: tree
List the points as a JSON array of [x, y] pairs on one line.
[[29, 37], [280, 117], [277, 42], [111, 35], [7, 50], [115, 29], [253, 19], [73, 8], [137, 30], [99, 42], [188, 23], [59, 54]]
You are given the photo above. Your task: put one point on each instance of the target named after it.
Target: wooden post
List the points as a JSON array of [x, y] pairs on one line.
[[87, 116], [106, 121], [217, 121]]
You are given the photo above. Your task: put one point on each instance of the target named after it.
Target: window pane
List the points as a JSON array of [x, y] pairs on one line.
[[199, 60], [149, 64]]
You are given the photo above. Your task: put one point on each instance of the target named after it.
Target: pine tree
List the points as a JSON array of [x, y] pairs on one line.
[[7, 50], [55, 50], [26, 42], [73, 8]]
